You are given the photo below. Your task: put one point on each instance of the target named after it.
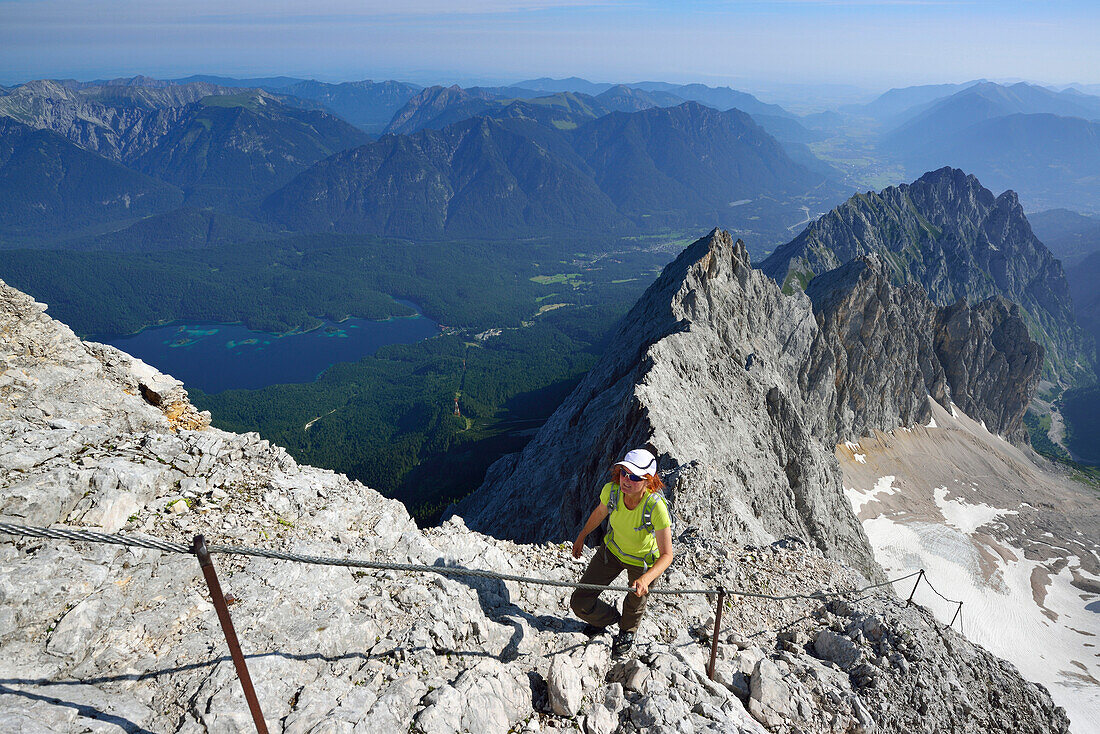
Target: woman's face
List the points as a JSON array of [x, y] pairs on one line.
[[630, 486]]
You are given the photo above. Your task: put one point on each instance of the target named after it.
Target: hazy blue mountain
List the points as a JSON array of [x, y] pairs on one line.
[[262, 82], [436, 107], [1050, 161], [829, 122], [801, 154], [724, 98], [899, 103], [572, 84], [222, 148], [686, 163], [985, 101], [497, 177], [951, 235], [720, 98], [139, 80], [622, 98], [787, 129], [366, 104], [1093, 89], [654, 86], [1069, 235], [47, 183], [473, 178]]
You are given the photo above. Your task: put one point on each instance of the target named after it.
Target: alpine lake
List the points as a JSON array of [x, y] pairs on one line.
[[215, 357]]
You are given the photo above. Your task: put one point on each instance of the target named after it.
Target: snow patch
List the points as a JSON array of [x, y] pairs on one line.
[[999, 607], [861, 458], [884, 487], [932, 423], [965, 516], [851, 446]]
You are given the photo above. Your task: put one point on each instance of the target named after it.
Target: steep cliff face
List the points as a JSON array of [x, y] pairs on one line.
[[96, 637], [743, 393], [886, 348], [876, 348], [952, 236], [991, 364]]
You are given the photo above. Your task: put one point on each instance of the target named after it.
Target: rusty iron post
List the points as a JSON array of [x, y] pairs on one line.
[[207, 566], [957, 610], [717, 629], [914, 591]]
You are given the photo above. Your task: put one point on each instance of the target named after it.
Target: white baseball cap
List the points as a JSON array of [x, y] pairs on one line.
[[639, 461]]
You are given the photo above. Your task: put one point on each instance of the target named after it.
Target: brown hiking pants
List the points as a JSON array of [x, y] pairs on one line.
[[586, 604]]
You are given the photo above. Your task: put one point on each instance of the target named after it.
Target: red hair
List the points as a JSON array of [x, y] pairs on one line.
[[653, 482]]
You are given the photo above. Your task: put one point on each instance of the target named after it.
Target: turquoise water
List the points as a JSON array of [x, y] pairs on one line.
[[215, 357]]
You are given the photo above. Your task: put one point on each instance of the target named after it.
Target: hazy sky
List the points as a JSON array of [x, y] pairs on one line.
[[872, 43]]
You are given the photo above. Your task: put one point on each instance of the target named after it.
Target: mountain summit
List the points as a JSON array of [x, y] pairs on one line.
[[956, 239]]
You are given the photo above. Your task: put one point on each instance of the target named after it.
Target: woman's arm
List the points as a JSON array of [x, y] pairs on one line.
[[594, 521], [664, 545]]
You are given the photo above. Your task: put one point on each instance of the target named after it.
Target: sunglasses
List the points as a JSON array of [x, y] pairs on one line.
[[632, 477]]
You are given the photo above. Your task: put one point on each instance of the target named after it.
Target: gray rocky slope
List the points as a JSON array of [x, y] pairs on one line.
[[119, 127], [743, 393], [948, 233], [96, 638]]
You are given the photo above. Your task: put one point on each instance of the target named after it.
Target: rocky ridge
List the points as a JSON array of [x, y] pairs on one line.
[[97, 638], [949, 234], [743, 394]]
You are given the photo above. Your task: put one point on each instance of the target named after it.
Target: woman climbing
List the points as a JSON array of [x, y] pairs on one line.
[[638, 541]]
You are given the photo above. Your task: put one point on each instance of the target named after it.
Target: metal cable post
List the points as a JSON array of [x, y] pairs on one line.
[[200, 550], [957, 610], [714, 634], [914, 591]]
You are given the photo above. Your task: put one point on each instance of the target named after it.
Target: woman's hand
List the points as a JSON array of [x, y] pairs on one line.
[[594, 521], [641, 586]]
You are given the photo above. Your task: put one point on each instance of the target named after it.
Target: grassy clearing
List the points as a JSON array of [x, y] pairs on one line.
[[570, 279]]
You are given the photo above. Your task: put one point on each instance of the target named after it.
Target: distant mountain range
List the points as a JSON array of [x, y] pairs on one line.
[[436, 107], [243, 145], [49, 184], [951, 235], [1048, 160], [654, 168], [1045, 145], [561, 162], [219, 145], [981, 102], [720, 98], [366, 104], [896, 104]]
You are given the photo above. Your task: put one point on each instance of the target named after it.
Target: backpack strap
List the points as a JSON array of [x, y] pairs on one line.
[[613, 499], [647, 515], [647, 511]]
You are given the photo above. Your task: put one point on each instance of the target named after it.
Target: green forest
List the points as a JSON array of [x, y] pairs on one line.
[[523, 321]]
